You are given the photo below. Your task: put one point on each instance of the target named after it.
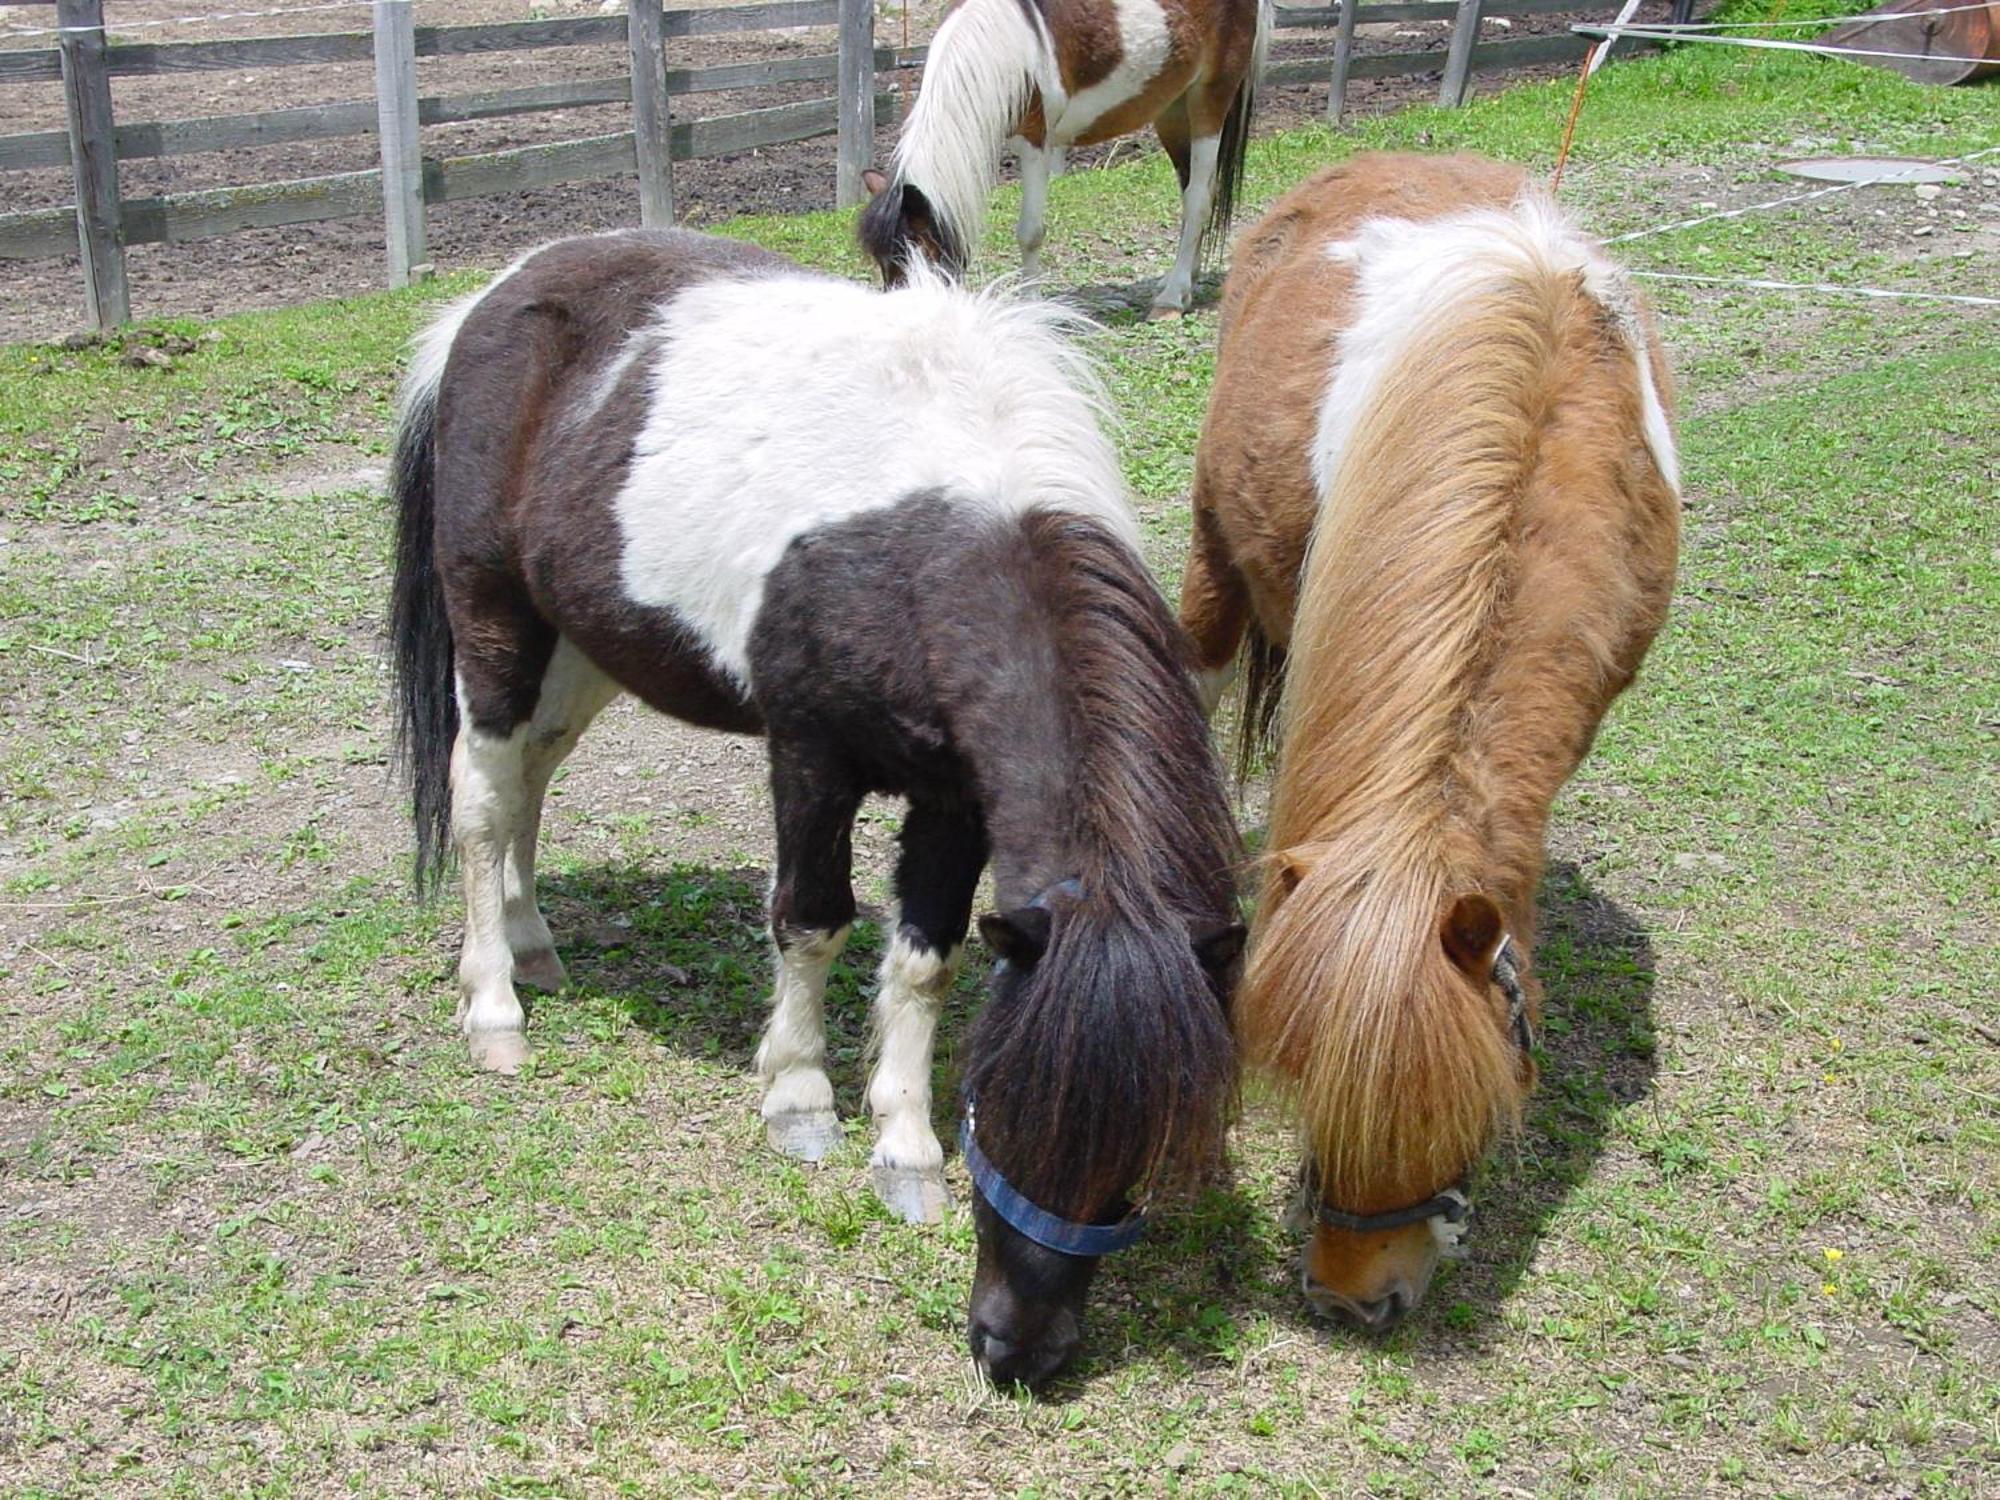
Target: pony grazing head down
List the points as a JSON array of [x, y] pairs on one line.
[[900, 227], [1386, 994]]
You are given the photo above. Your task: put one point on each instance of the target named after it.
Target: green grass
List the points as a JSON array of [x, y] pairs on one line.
[[261, 1232]]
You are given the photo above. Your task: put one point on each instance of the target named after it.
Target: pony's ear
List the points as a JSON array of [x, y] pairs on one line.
[[1217, 945], [1020, 936], [1285, 868], [1471, 935], [874, 181]]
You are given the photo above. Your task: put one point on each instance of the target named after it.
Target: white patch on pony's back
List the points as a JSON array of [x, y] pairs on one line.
[[1145, 45], [786, 403], [1411, 275], [984, 63]]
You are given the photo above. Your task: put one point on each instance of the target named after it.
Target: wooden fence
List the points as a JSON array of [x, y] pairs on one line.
[[101, 223]]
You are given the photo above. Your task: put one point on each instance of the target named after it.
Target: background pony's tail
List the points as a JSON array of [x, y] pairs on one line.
[[1262, 668], [419, 632], [985, 62], [1236, 140]]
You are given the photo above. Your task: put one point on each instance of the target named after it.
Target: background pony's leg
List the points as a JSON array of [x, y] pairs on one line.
[[944, 849], [573, 693], [812, 908], [1039, 165], [1215, 606], [1197, 197]]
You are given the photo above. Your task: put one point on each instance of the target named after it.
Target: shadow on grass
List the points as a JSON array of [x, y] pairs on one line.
[[682, 950]]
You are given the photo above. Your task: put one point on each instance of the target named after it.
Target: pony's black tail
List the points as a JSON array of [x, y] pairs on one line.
[[420, 639], [1263, 690], [1235, 142]]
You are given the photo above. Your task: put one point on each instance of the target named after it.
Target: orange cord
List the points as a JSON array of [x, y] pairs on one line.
[[1569, 130]]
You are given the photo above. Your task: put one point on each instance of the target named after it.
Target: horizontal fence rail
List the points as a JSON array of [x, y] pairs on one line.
[[100, 223]]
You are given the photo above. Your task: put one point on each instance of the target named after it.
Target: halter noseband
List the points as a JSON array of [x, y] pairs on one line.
[[1448, 1210], [1050, 1231]]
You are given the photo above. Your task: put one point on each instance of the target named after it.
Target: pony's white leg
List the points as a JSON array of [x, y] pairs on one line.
[[908, 1164], [573, 693], [1196, 200], [1037, 168], [488, 800], [798, 1097]]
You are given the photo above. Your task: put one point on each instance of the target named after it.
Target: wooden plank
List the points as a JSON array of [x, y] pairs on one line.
[[36, 65], [38, 234], [180, 217], [649, 116], [34, 149], [93, 160], [1563, 46], [457, 178], [1372, 65], [1292, 17], [726, 18], [141, 59], [1343, 62], [854, 146], [1457, 80], [521, 36], [402, 147]]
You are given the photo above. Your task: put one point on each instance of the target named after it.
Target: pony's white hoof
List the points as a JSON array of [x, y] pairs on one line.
[[911, 1194], [542, 969], [1162, 312], [808, 1135], [498, 1051]]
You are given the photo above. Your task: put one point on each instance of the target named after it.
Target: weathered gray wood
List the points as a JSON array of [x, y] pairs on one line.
[[854, 144], [1343, 59], [1457, 81], [1563, 46], [179, 217], [457, 178], [93, 161], [39, 65], [717, 20], [402, 146], [38, 234], [140, 59], [649, 115], [33, 150], [1292, 17]]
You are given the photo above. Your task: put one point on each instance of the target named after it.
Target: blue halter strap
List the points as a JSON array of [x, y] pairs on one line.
[[1051, 1231]]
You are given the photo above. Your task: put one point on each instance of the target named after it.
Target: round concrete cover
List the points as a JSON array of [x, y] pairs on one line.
[[1895, 169]]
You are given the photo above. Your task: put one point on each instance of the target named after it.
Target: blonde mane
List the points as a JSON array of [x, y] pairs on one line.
[[1404, 785]]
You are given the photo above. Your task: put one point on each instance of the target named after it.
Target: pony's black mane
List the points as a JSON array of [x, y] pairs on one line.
[[1112, 1053]]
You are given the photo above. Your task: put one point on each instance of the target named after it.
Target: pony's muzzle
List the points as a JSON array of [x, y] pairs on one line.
[[1031, 1360], [1376, 1315]]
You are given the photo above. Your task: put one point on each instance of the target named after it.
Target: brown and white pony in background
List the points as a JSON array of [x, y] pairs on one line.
[[1437, 491], [1052, 74]]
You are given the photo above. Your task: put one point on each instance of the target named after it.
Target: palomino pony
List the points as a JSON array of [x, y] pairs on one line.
[[885, 531], [1437, 489], [1060, 73]]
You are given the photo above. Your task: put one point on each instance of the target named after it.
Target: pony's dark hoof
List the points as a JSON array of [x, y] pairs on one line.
[[542, 969], [911, 1194], [808, 1135]]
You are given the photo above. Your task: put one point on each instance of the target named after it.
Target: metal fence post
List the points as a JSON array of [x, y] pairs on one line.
[[402, 152], [650, 114], [1458, 61], [1343, 56], [855, 71], [93, 160]]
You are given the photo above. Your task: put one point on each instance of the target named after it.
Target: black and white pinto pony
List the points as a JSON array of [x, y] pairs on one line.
[[1051, 74], [886, 531]]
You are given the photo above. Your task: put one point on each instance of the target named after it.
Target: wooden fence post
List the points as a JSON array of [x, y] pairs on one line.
[[93, 160], [855, 75], [402, 151], [1343, 56], [650, 114], [1458, 60]]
